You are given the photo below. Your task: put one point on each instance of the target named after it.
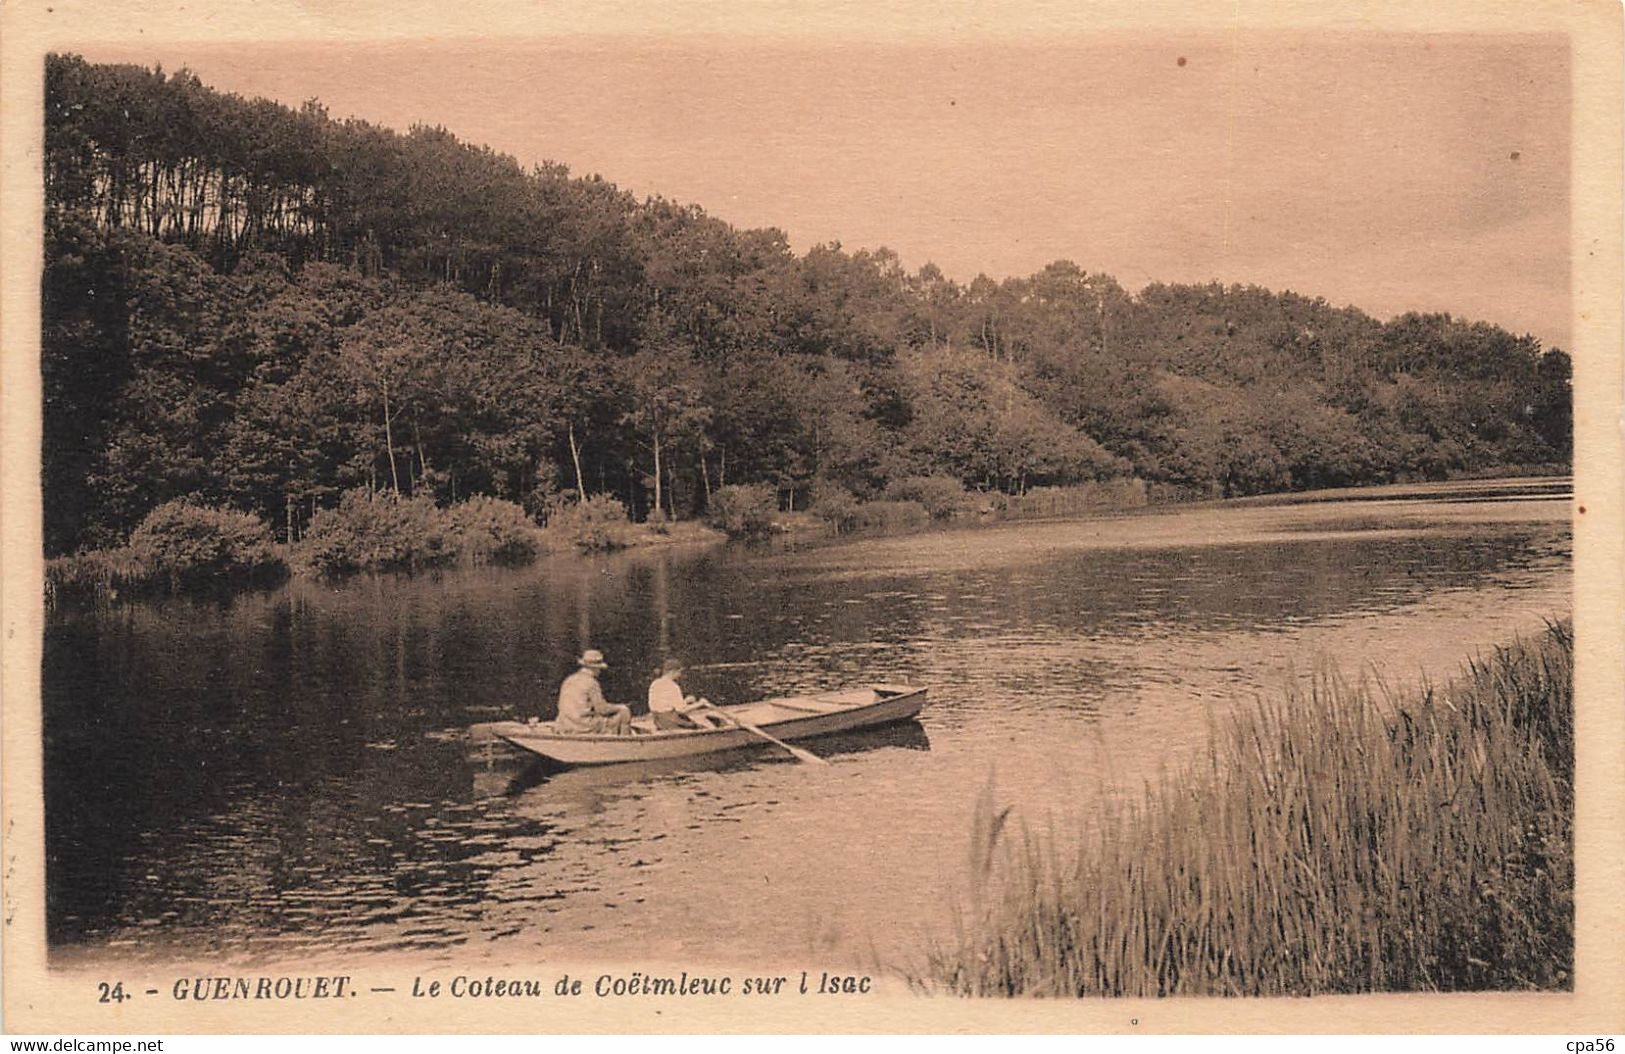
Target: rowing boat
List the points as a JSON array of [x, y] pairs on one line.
[[791, 717]]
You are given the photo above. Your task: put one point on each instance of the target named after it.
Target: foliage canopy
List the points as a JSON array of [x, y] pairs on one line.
[[265, 308]]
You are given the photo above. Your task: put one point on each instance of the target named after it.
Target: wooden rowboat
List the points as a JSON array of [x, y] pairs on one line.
[[792, 717]]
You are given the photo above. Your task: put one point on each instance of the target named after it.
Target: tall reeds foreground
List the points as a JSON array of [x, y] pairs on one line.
[[1342, 840]]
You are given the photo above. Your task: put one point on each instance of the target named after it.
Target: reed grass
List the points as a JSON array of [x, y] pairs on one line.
[[1343, 840], [96, 577]]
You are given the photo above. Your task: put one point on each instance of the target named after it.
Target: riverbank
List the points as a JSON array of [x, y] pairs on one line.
[[214, 551], [1341, 843]]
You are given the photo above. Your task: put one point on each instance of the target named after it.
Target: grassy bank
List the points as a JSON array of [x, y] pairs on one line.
[[921, 502], [1344, 842], [916, 503]]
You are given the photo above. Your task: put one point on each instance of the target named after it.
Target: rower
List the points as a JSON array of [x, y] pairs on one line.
[[670, 708]]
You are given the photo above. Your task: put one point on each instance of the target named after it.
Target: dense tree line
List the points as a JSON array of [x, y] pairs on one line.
[[264, 307]]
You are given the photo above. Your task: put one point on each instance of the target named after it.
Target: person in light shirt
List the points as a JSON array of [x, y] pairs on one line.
[[670, 708]]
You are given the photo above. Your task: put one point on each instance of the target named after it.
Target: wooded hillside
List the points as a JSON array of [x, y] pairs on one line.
[[265, 307]]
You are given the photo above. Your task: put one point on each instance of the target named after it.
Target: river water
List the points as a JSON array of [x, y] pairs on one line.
[[284, 775]]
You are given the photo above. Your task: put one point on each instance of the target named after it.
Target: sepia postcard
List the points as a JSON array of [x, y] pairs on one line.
[[729, 517]]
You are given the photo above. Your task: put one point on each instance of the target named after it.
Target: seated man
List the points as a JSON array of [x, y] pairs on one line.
[[582, 708], [670, 708]]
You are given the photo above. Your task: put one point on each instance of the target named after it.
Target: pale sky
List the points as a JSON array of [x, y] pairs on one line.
[[1389, 171]]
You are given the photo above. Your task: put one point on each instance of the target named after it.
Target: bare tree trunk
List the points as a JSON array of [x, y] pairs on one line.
[[671, 509], [423, 459], [705, 478], [575, 458], [658, 511], [389, 441]]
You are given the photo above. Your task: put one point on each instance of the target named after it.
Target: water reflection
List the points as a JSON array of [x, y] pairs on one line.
[[287, 773]]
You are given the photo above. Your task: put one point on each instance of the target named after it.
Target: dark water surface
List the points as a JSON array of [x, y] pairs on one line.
[[284, 775]]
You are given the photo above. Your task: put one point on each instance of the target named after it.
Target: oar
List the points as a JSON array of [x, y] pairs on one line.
[[800, 755]]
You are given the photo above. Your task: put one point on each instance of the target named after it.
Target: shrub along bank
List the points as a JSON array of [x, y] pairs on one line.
[[187, 547], [179, 546]]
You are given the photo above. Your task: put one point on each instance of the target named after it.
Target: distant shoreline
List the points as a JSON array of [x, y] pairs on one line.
[[107, 577]]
